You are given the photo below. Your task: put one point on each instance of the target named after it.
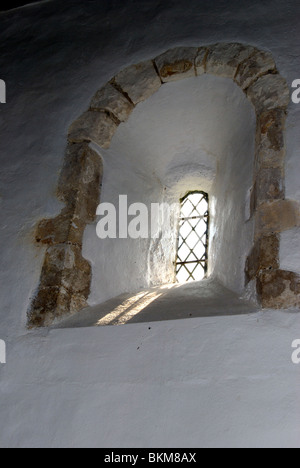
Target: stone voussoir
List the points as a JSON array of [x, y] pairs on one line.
[[70, 176], [200, 60], [176, 64], [94, 126], [255, 66], [224, 59], [79, 187], [272, 124], [81, 175], [270, 147], [269, 92], [269, 185], [139, 81], [110, 99]]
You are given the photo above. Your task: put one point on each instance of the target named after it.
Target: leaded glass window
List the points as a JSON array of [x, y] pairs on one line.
[[192, 251]]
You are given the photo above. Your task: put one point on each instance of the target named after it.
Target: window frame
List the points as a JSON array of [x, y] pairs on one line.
[[204, 259]]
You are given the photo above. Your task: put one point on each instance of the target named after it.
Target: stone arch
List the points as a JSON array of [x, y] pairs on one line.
[[65, 279]]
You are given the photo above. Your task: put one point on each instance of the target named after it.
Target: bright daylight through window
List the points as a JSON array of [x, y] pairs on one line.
[[192, 252]]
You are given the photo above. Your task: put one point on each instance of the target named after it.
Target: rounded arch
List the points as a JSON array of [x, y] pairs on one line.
[[66, 276]]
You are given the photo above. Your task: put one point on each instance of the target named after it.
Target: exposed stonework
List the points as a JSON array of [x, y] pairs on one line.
[[279, 289], [258, 64], [200, 61], [66, 275], [270, 149], [64, 266], [224, 59], [79, 188], [65, 278], [277, 216], [264, 256], [276, 289], [139, 82], [268, 185], [93, 126], [271, 125], [176, 64], [269, 92], [64, 228], [110, 99], [80, 179], [49, 305]]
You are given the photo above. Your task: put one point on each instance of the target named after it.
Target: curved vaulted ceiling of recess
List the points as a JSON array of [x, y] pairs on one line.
[[191, 122]]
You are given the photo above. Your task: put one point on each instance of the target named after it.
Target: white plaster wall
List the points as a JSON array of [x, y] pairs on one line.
[[225, 381], [213, 382], [290, 250]]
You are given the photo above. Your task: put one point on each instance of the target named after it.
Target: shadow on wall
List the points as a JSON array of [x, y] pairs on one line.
[[18, 3]]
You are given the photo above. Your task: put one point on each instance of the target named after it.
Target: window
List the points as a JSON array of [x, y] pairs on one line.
[[192, 251]]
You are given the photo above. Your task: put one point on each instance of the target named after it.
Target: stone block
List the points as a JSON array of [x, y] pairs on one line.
[[110, 99], [264, 256], [278, 216], [270, 147], [93, 126], [50, 304], [64, 285], [62, 229], [258, 64], [65, 266], [138, 82], [269, 185], [177, 64], [224, 59], [269, 92], [272, 125], [80, 182], [200, 61]]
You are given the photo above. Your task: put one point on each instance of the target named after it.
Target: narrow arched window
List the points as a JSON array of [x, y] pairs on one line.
[[192, 250]]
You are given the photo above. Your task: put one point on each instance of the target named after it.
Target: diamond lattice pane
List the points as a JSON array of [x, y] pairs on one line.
[[182, 275], [191, 262]]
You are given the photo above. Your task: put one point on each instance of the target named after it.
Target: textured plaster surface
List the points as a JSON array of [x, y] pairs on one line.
[[232, 375]]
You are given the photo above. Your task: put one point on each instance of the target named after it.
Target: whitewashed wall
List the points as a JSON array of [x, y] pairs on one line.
[[224, 381]]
